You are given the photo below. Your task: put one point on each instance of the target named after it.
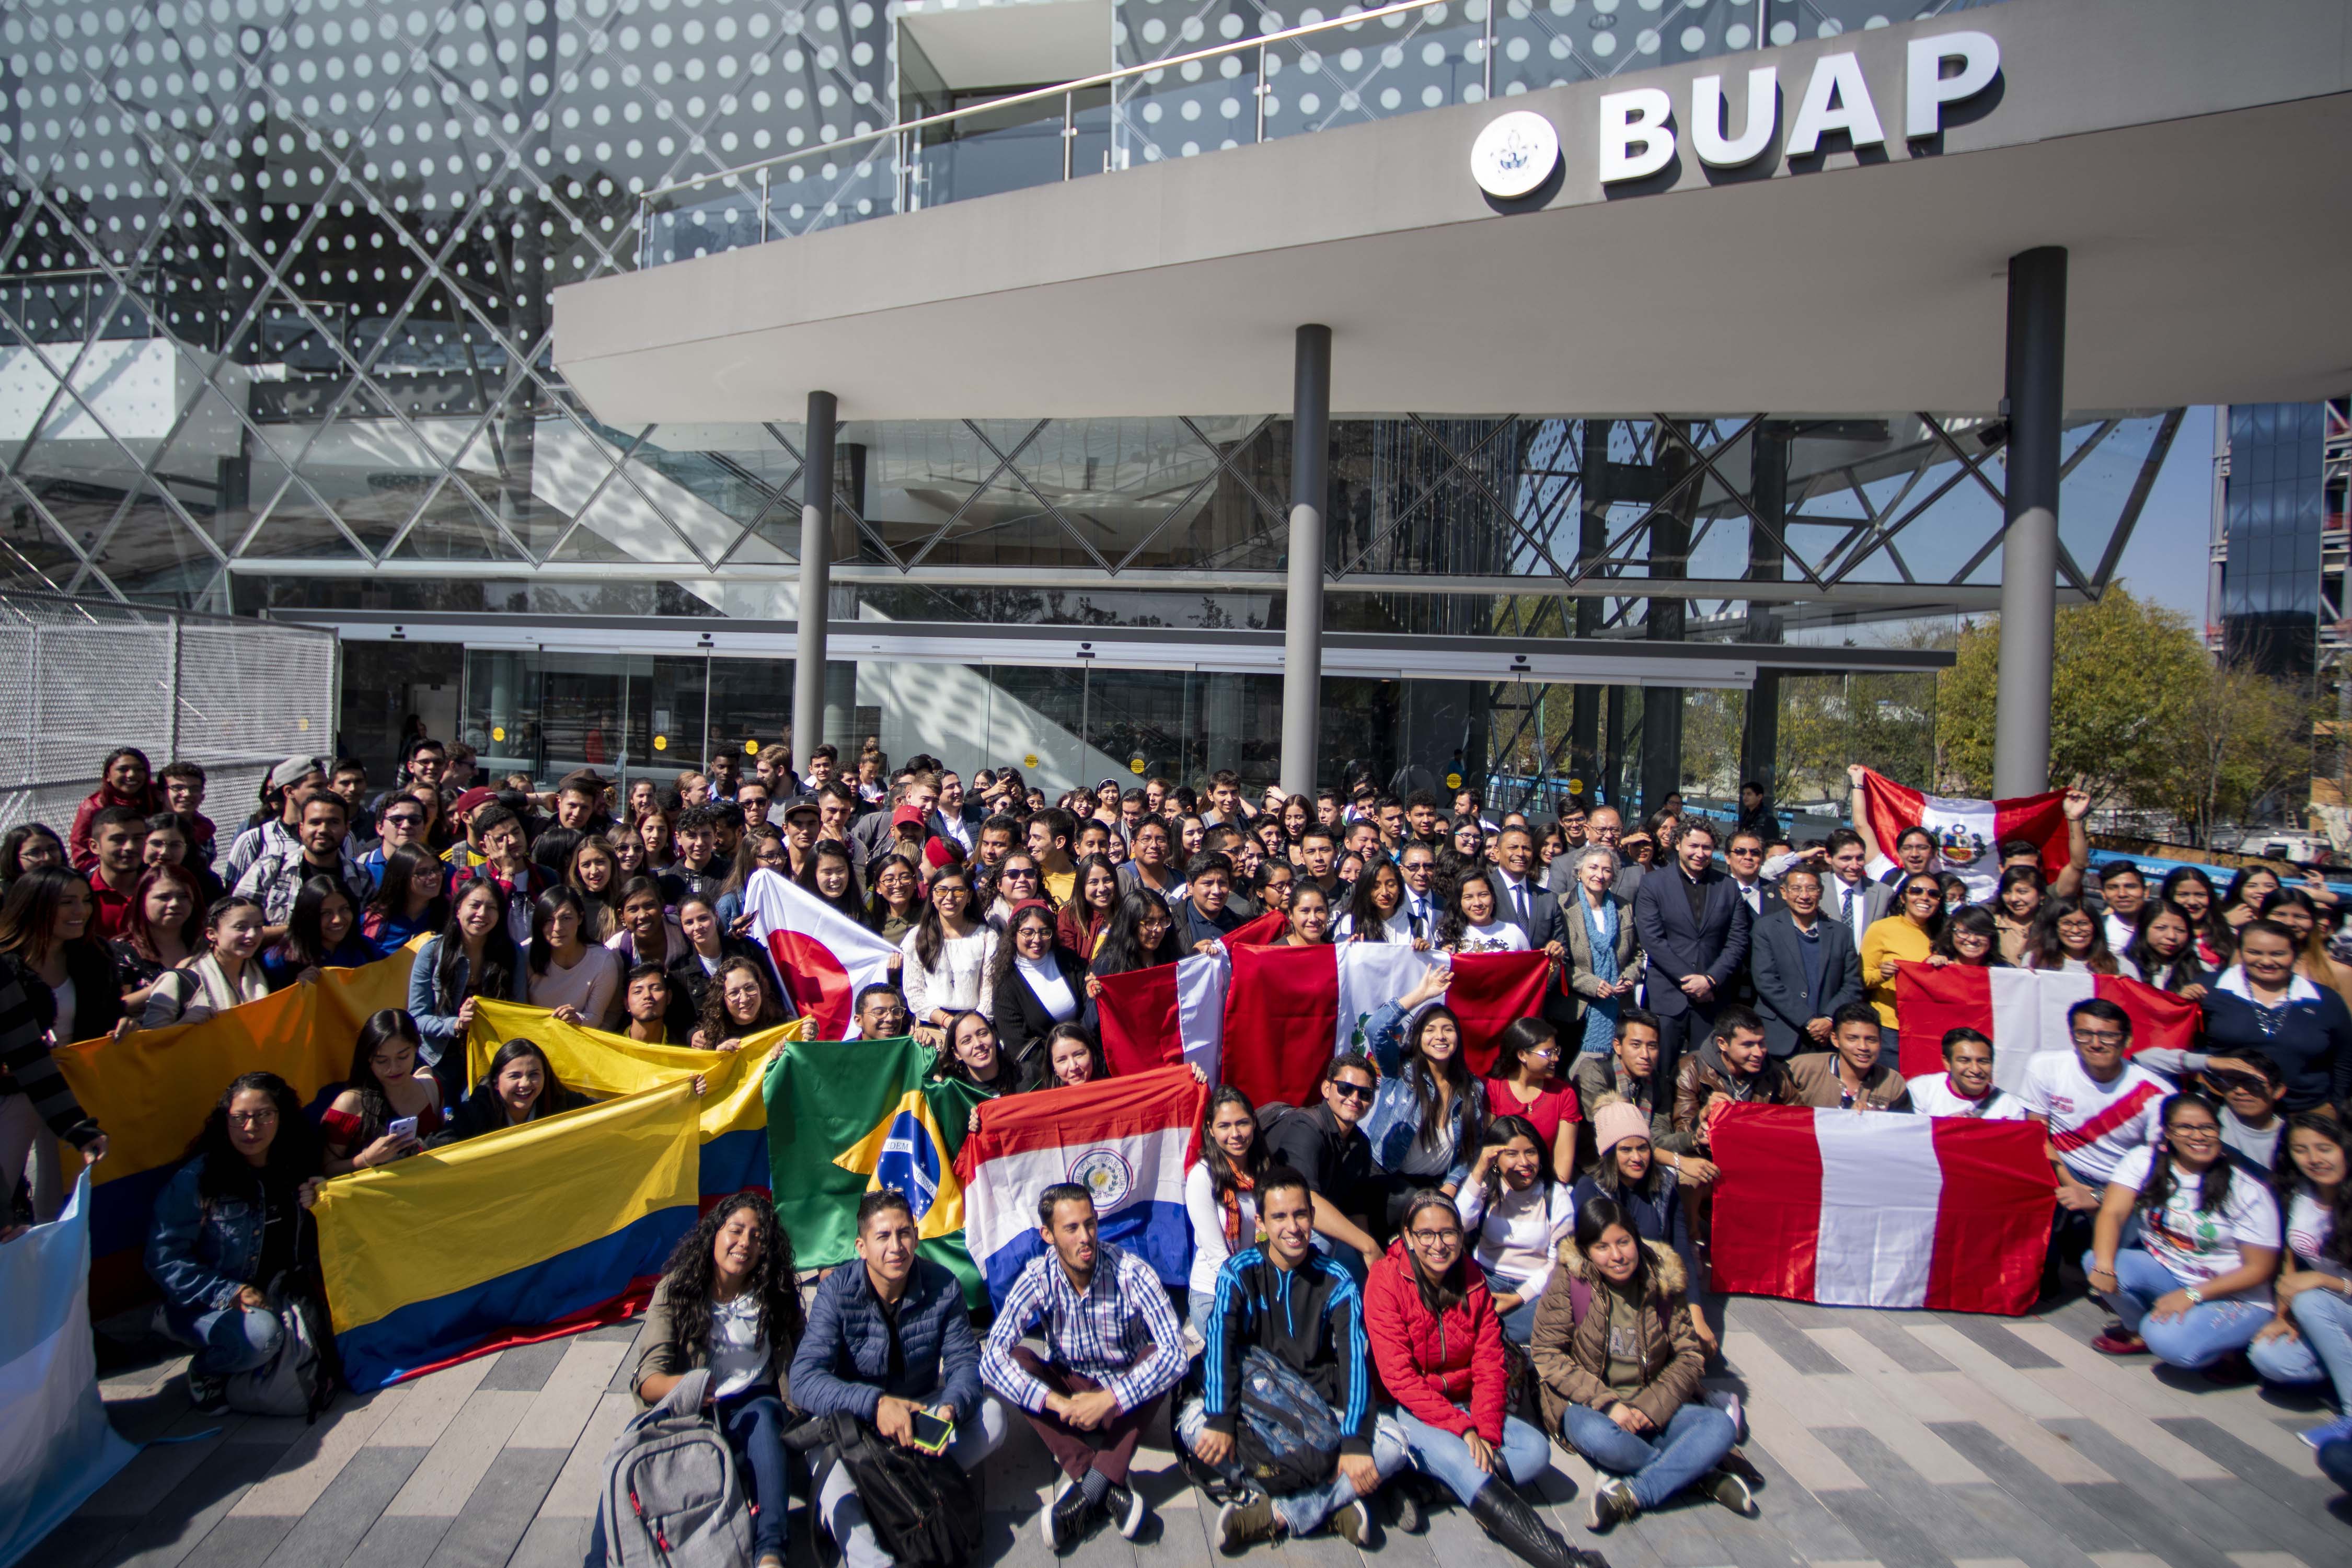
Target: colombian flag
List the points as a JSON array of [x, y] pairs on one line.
[[848, 1117]]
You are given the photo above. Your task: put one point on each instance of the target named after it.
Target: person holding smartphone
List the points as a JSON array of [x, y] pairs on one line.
[[888, 1341]]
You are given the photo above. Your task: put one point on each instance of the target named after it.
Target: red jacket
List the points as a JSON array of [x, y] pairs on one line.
[[1434, 1364], [80, 850]]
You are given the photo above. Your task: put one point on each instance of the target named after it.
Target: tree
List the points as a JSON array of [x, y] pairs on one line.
[[2125, 675], [2244, 734]]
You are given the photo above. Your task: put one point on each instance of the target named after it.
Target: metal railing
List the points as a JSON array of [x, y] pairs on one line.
[[757, 172]]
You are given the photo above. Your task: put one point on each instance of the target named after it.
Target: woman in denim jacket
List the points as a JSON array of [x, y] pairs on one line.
[[231, 1222], [1430, 1111]]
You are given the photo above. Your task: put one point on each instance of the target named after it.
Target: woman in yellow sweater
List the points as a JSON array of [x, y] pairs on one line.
[[1904, 936]]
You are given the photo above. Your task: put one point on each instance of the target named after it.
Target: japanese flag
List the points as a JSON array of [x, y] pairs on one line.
[[825, 958]]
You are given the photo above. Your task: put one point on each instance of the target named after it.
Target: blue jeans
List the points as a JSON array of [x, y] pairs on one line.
[[233, 1340], [753, 1424], [1662, 1464], [1519, 1323], [2322, 1349], [2335, 1462], [1304, 1513], [1525, 1453], [2199, 1337]]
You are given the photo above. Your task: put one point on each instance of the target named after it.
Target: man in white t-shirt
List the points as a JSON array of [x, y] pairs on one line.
[[2098, 1107], [1965, 1086]]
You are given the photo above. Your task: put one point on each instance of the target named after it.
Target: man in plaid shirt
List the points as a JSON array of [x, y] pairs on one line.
[[1113, 1352]]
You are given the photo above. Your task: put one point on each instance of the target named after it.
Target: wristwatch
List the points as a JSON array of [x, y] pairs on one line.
[[2195, 1297]]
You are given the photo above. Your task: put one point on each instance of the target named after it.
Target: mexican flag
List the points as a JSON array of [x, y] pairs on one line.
[[849, 1117]]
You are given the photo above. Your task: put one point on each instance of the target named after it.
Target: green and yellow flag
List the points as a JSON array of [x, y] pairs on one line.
[[848, 1117]]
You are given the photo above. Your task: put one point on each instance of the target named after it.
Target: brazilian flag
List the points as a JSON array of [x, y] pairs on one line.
[[848, 1117]]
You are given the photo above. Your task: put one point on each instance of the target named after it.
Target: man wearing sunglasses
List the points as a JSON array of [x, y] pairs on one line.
[[1326, 1146], [2249, 1087], [403, 822]]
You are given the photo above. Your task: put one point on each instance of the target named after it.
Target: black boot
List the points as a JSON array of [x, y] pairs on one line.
[[1505, 1516]]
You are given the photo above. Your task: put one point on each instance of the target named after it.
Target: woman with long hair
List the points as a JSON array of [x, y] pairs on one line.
[[1627, 1168], [1617, 1347], [728, 1306], [1907, 934], [124, 779], [2196, 1287], [232, 1229], [225, 974], [1437, 1341], [471, 957], [2069, 937], [1970, 939], [1141, 935], [2243, 900], [628, 855], [1526, 1083], [831, 875], [595, 873], [1298, 816], [521, 1086], [736, 1003], [2310, 1338], [896, 905], [1310, 916], [1018, 881], [2190, 888], [2262, 1004], [388, 1083], [577, 980], [1429, 1109], [49, 937], [1467, 840], [164, 931], [1081, 923], [1072, 1058], [947, 958], [2016, 900], [1474, 922], [411, 898], [1220, 1193], [1516, 1212], [1376, 908], [970, 1052], [30, 846], [2163, 950], [655, 837], [321, 933], [1034, 984]]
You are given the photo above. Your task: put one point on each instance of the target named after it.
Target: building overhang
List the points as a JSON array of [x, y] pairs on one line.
[[2182, 152]]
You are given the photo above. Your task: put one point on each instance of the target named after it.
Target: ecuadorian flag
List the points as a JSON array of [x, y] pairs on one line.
[[848, 1117]]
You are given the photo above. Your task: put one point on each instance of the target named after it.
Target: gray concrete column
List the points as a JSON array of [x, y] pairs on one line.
[[1665, 621], [1767, 562], [2036, 402], [1310, 483], [1591, 542], [816, 577]]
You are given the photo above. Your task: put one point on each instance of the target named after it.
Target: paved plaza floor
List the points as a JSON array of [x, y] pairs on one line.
[[1902, 1439]]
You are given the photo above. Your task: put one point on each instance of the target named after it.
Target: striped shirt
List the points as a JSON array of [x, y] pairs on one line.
[[1121, 1333]]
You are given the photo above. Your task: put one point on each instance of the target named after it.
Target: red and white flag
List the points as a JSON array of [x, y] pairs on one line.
[[1881, 1209], [1968, 833], [1490, 990], [2023, 1011], [825, 958], [1168, 1014], [1287, 1009]]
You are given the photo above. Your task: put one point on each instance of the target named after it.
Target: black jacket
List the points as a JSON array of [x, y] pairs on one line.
[[1021, 1020], [480, 1112], [1311, 1318], [1777, 964], [1714, 944], [689, 981]]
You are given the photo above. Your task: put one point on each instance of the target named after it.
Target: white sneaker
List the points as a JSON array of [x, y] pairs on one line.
[[1612, 1500]]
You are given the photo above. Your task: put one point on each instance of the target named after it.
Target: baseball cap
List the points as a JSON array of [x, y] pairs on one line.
[[465, 804], [293, 770]]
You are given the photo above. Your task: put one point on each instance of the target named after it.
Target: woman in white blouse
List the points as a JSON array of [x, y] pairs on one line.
[[946, 957], [1474, 920], [1516, 1214], [1034, 984]]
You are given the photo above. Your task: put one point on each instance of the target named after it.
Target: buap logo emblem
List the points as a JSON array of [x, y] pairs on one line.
[[1515, 154]]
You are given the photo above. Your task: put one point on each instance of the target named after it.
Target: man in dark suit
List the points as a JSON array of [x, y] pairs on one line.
[[1523, 900], [1743, 861], [1695, 927], [1803, 966]]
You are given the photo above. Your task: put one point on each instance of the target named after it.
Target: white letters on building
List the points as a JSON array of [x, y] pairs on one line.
[[1925, 88], [1713, 148], [1635, 140], [1837, 99]]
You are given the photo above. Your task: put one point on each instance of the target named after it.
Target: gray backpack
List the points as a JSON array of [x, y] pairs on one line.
[[297, 1379], [672, 1497]]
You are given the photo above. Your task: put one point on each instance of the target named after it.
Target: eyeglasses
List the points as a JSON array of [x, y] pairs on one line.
[[2098, 1037], [1435, 1237], [1009, 872], [406, 819], [1362, 1091], [1745, 853], [2237, 1082], [253, 1117], [2186, 1131]]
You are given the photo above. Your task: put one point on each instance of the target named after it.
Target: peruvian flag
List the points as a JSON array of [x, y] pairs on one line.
[[1490, 990], [825, 957], [1881, 1209], [1288, 1010], [1168, 1014], [2022, 1011], [1968, 833], [1271, 926]]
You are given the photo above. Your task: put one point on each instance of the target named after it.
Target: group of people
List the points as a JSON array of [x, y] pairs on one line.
[[1426, 1273]]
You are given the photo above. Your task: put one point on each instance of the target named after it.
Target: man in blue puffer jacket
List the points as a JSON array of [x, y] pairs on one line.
[[888, 1336]]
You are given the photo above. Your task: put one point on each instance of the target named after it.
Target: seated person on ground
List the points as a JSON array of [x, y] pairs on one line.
[[1629, 1074], [521, 1086], [1113, 1350], [1516, 1214], [1851, 1074], [1326, 1144], [388, 1082], [1965, 1086]]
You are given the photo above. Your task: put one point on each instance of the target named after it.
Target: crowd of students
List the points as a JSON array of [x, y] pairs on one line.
[[1426, 1272]]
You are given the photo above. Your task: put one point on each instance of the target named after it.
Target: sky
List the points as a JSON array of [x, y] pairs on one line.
[[2166, 560]]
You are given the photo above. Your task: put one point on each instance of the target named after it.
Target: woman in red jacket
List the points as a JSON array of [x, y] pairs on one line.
[[1439, 1348]]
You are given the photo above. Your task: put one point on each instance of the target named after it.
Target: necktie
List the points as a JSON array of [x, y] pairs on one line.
[[1848, 906], [1520, 893]]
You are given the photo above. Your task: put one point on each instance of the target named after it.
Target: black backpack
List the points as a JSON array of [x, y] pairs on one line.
[[922, 1507], [1287, 1439]]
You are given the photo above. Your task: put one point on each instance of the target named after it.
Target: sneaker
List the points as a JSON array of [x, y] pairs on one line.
[[1353, 1524], [1239, 1523], [1065, 1520], [208, 1394], [2116, 1340], [1731, 1491], [2335, 1431], [1128, 1510], [1406, 1503], [1612, 1500]]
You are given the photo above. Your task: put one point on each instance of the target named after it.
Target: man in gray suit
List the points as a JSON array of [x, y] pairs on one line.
[[1804, 966], [1849, 897]]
